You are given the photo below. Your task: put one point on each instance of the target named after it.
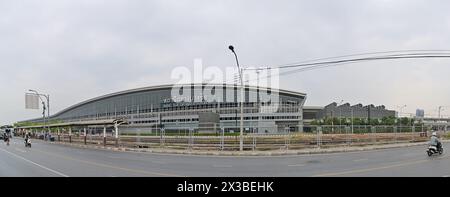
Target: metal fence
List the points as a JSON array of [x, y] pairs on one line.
[[220, 139]]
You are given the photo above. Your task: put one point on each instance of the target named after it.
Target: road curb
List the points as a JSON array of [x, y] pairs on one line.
[[250, 153]]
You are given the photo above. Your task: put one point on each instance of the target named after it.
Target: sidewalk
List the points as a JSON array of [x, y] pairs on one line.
[[251, 153]]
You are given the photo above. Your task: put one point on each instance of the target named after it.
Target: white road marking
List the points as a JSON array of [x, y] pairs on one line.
[[20, 150], [359, 160], [41, 166], [411, 154], [297, 165], [158, 162], [222, 166]]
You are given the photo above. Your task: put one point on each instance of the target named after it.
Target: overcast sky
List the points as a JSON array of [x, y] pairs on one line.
[[77, 50]]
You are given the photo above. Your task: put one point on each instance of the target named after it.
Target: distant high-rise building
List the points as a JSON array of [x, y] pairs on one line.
[[420, 113], [334, 110]]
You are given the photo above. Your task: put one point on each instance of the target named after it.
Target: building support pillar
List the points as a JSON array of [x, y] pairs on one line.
[[70, 134], [116, 130], [59, 135], [104, 135], [85, 136]]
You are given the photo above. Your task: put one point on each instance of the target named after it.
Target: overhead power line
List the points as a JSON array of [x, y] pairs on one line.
[[387, 57], [362, 57], [369, 53]]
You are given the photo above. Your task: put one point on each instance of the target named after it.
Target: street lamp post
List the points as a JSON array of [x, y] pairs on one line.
[[332, 121], [241, 138], [340, 115], [258, 71], [259, 100], [400, 112], [441, 108], [47, 97], [352, 118]]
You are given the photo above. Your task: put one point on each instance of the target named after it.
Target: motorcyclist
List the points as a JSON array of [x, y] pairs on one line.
[[435, 141], [6, 138], [27, 137]]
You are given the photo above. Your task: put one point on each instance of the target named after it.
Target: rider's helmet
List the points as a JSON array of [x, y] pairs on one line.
[[434, 134]]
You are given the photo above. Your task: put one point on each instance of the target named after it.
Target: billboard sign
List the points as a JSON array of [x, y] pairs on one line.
[[31, 101]]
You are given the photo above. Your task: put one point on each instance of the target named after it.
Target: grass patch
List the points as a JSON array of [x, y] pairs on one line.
[[178, 134], [447, 136]]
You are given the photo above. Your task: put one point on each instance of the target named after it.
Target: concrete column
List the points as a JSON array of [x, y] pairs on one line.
[[104, 135], [85, 135], [59, 134], [70, 134], [116, 129]]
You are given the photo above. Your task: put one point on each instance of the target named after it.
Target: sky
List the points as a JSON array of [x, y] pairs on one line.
[[77, 50]]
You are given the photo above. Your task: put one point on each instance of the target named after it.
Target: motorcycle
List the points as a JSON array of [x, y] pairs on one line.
[[435, 150], [6, 139], [28, 143]]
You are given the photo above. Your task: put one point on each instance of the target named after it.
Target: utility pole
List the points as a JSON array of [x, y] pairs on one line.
[[332, 121], [241, 137], [352, 119], [340, 115], [47, 97], [400, 112], [236, 117], [258, 98], [441, 108]]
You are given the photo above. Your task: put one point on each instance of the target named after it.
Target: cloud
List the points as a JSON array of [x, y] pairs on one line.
[[76, 50]]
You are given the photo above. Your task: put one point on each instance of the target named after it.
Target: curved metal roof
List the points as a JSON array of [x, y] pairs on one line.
[[163, 87]]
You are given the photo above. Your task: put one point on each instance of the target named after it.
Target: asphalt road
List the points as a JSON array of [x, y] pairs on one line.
[[50, 160]]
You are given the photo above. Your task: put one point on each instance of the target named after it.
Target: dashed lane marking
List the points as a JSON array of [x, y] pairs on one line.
[[20, 150], [297, 165], [359, 160], [222, 166]]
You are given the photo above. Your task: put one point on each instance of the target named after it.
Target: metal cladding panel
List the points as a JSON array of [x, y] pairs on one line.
[[158, 97]]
